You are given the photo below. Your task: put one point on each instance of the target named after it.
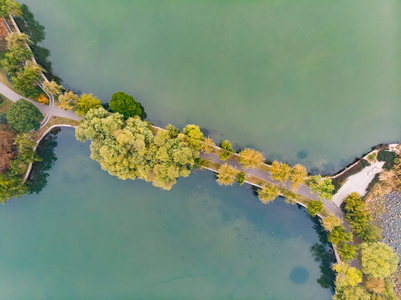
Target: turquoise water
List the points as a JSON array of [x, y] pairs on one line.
[[88, 235], [319, 78]]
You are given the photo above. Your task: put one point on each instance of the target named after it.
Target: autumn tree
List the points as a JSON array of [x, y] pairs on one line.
[[322, 186], [86, 102], [378, 259], [347, 275], [23, 116], [314, 207], [330, 222], [7, 150], [194, 134], [375, 285], [52, 88], [68, 100], [10, 7], [267, 193], [126, 105], [251, 158], [356, 212], [207, 145], [280, 171], [128, 149], [298, 176], [356, 292], [227, 175]]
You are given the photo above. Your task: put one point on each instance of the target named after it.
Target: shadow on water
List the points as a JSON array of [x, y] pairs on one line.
[[324, 254], [40, 170], [27, 24]]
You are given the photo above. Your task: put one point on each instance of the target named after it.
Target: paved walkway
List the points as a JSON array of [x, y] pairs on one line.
[[358, 183], [46, 109]]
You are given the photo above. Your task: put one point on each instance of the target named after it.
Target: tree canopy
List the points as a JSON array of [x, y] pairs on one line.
[[323, 187], [86, 102], [194, 134], [23, 116], [267, 193], [227, 175], [314, 207], [378, 259], [126, 105], [280, 171], [128, 149], [250, 158], [10, 7]]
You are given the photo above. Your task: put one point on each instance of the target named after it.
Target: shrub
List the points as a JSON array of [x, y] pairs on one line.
[[3, 119], [388, 157], [42, 99]]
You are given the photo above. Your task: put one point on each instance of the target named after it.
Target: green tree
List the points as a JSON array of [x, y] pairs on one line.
[[346, 251], [298, 176], [240, 178], [227, 150], [126, 105], [10, 7], [23, 116], [338, 235], [267, 193], [314, 207], [280, 171], [26, 81], [128, 149], [356, 212], [227, 175], [11, 186], [194, 134], [378, 259], [356, 292], [172, 130], [86, 102], [347, 275], [251, 158], [323, 187], [370, 233], [330, 222]]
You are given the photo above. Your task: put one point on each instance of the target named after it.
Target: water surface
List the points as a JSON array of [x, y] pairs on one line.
[[88, 235]]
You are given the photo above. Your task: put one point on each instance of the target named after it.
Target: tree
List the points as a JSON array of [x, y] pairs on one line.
[[356, 292], [10, 7], [330, 222], [52, 88], [356, 212], [240, 178], [314, 207], [194, 134], [129, 150], [280, 171], [346, 251], [227, 175], [338, 235], [86, 102], [68, 100], [370, 233], [250, 158], [378, 259], [11, 186], [172, 130], [298, 176], [16, 54], [267, 193], [346, 275], [323, 187], [23, 116], [207, 145], [7, 149], [126, 105], [25, 81], [227, 150], [375, 285]]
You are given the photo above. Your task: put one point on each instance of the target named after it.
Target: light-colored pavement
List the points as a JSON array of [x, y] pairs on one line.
[[46, 109], [358, 183]]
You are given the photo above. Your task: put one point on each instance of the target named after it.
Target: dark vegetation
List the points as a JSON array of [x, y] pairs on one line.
[[23, 116], [126, 105], [30, 26], [390, 159]]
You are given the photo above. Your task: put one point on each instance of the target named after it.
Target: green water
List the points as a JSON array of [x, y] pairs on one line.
[[292, 78], [317, 77], [88, 235]]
